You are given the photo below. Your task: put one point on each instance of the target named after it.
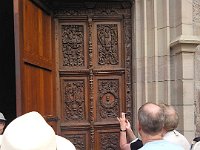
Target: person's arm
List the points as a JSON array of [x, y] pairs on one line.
[[135, 142], [123, 140], [130, 134]]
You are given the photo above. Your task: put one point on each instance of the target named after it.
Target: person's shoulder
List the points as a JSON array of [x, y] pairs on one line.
[[136, 144], [174, 135], [161, 144], [178, 133], [173, 146]]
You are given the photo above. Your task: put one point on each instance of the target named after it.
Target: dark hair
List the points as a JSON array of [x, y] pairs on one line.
[[151, 119], [171, 117]]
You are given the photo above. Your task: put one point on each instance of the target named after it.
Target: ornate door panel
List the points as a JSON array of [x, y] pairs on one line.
[[94, 65]]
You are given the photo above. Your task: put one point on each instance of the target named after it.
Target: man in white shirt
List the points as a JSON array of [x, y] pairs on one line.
[[171, 123]]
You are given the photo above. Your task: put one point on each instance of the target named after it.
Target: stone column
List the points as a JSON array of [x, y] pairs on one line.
[[197, 91], [182, 48], [182, 96]]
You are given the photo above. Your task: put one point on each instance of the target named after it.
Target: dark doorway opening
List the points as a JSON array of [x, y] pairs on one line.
[[7, 61]]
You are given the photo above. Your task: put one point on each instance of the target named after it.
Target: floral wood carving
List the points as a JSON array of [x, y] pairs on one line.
[[69, 12], [109, 140], [74, 100], [129, 75], [73, 45], [78, 140], [106, 12], [107, 105], [111, 8], [107, 35]]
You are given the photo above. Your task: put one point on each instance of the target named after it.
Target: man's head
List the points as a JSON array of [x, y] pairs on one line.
[[171, 117], [2, 123], [151, 119]]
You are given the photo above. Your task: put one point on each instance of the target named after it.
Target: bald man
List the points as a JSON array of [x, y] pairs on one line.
[[136, 143]]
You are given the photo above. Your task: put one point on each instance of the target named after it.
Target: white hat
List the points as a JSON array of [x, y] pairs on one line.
[[29, 132], [64, 144], [2, 117]]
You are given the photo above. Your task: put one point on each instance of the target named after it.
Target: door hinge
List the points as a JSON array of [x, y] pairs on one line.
[[51, 118]]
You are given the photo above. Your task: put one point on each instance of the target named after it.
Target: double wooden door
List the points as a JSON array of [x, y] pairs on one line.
[[76, 69]]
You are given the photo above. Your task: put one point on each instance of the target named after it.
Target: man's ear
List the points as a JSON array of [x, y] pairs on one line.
[[138, 126], [164, 131]]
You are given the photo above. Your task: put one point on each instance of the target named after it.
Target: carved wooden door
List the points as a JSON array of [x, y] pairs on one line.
[[94, 65]]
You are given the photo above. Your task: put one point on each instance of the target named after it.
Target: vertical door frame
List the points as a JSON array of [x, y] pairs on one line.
[[18, 26]]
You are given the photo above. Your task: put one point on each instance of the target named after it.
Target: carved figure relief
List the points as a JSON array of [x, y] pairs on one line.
[[73, 45], [107, 35], [108, 99]]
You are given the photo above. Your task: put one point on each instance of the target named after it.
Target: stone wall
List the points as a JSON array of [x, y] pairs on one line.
[[197, 91], [196, 21], [166, 37]]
